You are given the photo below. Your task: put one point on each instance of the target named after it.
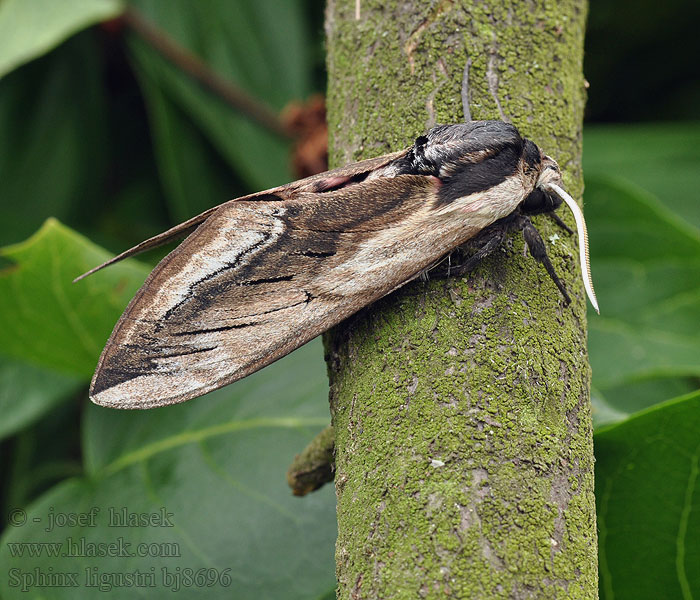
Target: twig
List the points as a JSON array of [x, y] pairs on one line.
[[187, 62], [315, 466]]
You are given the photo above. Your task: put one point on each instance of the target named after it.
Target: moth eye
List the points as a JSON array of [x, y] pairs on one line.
[[421, 140]]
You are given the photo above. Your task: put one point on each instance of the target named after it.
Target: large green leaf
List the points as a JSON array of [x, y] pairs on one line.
[[646, 265], [217, 464], [617, 402], [45, 318], [29, 28], [27, 392], [647, 490], [662, 158], [193, 174], [260, 46], [54, 139], [47, 451]]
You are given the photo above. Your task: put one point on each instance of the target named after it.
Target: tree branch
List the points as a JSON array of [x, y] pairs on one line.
[[464, 457]]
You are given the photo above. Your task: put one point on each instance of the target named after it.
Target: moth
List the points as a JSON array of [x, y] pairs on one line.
[[260, 275]]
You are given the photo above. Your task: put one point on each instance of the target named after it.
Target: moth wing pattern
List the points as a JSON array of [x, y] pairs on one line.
[[260, 277]]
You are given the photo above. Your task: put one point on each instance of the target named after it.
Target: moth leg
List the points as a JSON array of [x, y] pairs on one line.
[[539, 253], [557, 219], [492, 239]]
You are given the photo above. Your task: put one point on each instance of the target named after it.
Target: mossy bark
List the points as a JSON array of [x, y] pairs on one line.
[[464, 457]]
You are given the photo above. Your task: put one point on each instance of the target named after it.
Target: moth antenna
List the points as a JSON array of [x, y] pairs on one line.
[[582, 241], [465, 91]]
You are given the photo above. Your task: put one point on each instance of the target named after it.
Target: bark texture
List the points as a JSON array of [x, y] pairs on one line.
[[464, 456]]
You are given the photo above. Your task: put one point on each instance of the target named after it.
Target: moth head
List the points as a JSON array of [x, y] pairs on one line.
[[549, 172], [548, 195], [543, 172]]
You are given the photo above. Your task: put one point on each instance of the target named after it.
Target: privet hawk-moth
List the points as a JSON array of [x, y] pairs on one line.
[[260, 275]]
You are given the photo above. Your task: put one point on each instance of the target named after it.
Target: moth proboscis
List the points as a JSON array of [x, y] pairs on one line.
[[260, 275]]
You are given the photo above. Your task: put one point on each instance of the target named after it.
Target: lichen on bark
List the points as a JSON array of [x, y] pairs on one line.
[[464, 459]]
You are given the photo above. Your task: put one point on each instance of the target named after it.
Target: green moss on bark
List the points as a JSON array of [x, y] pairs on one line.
[[464, 461]]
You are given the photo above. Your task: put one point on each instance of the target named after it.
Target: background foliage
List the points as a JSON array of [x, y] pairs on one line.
[[104, 143]]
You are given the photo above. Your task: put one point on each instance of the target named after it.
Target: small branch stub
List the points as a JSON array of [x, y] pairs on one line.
[[314, 466]]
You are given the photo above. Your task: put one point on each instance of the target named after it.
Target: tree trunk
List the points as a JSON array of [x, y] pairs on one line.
[[464, 456]]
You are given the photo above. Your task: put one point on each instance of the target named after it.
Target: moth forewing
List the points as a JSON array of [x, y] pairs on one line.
[[254, 282]]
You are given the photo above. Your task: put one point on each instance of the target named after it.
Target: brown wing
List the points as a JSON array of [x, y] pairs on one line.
[[262, 277]]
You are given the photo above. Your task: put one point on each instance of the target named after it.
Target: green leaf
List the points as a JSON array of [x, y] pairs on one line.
[[45, 453], [29, 28], [647, 485], [55, 145], [192, 172], [662, 158], [619, 401], [263, 48], [604, 411], [45, 318], [28, 392], [217, 464], [646, 264]]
